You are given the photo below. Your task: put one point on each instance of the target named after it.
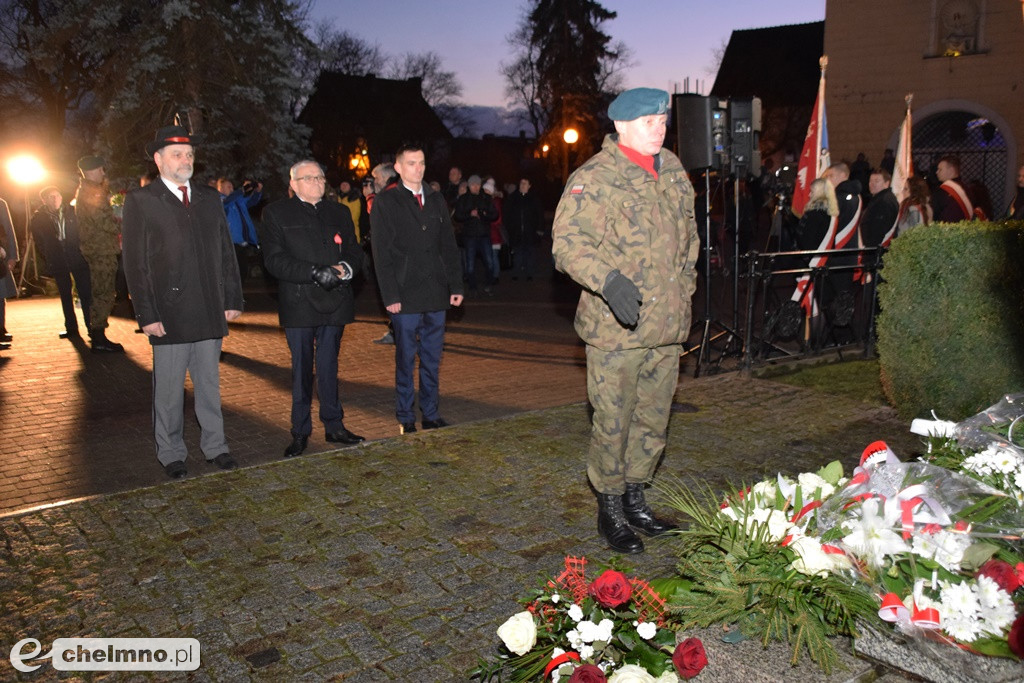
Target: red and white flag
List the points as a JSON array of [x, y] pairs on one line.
[[904, 167], [814, 158]]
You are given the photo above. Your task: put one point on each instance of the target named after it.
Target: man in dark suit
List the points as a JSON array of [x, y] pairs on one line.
[[55, 231], [183, 279], [420, 275], [309, 245]]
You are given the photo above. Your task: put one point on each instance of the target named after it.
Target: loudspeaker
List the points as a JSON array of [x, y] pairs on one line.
[[695, 129], [745, 128]]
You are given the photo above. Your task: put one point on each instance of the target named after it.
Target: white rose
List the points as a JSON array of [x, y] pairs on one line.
[[777, 524], [667, 676], [631, 673], [811, 482], [519, 633], [810, 558], [647, 630]]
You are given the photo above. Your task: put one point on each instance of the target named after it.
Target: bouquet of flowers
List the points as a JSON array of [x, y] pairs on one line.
[[611, 629], [117, 204], [758, 563], [938, 549]]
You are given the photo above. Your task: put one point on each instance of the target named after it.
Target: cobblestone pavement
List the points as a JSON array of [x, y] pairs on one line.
[[393, 560]]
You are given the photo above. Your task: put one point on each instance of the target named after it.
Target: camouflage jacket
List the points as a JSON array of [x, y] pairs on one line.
[[97, 226], [614, 215]]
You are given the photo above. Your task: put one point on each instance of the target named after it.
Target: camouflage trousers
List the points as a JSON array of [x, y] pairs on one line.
[[631, 392], [103, 271]]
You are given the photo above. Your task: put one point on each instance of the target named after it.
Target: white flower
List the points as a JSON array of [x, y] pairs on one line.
[[944, 547], [604, 630], [1018, 479], [772, 523], [871, 537], [555, 597], [519, 633], [631, 673], [576, 613], [810, 483], [963, 627], [667, 676], [586, 651], [960, 611], [574, 639], [810, 558], [647, 630], [997, 609], [728, 512], [763, 493]]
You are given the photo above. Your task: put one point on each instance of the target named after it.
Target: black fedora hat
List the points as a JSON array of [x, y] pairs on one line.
[[170, 135]]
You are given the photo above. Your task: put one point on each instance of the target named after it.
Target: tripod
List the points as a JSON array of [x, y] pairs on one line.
[[707, 338]]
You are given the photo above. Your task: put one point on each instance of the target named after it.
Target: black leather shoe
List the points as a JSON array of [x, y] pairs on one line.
[[612, 525], [434, 424], [343, 436], [639, 514], [6, 337], [69, 333], [100, 343], [224, 461], [176, 469], [297, 446], [406, 427], [4, 346]]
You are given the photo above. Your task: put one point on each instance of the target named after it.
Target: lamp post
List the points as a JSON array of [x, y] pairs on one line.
[[570, 136], [27, 171]]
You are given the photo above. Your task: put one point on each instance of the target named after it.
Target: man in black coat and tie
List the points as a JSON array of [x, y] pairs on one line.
[[419, 272], [183, 279], [55, 231], [309, 245]]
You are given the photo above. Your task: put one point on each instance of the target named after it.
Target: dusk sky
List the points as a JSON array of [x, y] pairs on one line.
[[671, 39]]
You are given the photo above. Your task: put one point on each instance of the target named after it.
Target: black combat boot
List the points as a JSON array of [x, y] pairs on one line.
[[612, 525], [100, 343], [639, 514]]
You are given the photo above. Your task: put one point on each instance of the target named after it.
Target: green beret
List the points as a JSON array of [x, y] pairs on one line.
[[632, 104], [90, 163]]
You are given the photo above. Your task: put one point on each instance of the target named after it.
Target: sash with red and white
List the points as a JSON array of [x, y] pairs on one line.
[[837, 237], [957, 194]]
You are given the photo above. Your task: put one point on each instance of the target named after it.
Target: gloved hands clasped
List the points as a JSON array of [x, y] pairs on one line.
[[327, 276], [623, 298]]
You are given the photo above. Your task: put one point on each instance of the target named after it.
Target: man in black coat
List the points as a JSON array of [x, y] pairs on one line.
[[310, 246], [55, 231], [523, 220], [420, 276], [183, 279], [475, 211], [878, 225]]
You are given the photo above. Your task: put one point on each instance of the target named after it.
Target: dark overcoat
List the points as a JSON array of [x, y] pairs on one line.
[[179, 262], [60, 257], [296, 236], [414, 250]]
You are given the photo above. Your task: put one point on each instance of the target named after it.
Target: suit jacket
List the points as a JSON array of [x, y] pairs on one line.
[[180, 264], [414, 250], [60, 257], [296, 236]]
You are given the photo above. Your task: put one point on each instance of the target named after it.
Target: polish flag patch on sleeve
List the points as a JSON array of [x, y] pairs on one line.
[[576, 189]]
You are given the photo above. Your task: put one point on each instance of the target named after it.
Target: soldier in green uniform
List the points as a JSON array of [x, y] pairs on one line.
[[101, 246], [625, 230]]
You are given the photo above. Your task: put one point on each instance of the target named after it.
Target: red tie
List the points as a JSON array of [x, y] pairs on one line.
[[419, 198], [184, 194]]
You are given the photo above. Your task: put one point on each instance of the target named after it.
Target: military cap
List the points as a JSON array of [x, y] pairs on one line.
[[632, 104], [90, 163]]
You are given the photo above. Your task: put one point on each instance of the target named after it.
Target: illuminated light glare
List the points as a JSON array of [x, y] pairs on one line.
[[571, 135], [25, 169]]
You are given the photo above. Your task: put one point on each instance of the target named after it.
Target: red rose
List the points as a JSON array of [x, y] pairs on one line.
[[1002, 573], [588, 673], [1016, 636], [689, 658], [611, 589]]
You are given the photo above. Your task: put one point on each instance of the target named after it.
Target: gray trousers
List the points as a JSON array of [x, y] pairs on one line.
[[170, 363]]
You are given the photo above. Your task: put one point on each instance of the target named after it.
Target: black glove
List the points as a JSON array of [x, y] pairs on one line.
[[326, 277], [623, 298]]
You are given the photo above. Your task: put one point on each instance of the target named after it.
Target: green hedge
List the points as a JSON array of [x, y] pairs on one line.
[[951, 330]]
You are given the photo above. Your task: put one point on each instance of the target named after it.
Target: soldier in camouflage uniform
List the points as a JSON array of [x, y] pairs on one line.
[[625, 230], [101, 245]]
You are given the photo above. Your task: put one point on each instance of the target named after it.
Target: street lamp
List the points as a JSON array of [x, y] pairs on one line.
[[571, 135], [27, 171]]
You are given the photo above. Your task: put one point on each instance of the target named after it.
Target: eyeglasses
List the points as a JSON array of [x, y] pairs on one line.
[[312, 178]]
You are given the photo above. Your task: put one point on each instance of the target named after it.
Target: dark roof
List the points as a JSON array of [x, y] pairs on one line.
[[387, 111], [778, 64]]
